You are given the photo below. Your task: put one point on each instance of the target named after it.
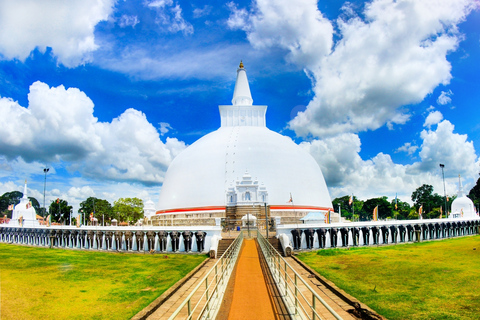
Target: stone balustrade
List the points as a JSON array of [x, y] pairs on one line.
[[312, 236], [126, 239]]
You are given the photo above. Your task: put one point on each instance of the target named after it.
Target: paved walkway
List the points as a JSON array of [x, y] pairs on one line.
[[251, 299]]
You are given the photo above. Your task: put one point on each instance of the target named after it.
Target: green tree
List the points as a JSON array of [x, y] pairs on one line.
[[60, 211], [435, 213], [384, 208], [9, 198], [474, 194], [347, 209], [128, 209], [413, 214], [424, 196], [402, 211], [99, 207]]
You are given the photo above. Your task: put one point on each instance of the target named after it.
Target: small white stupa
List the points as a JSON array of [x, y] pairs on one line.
[[149, 209], [24, 213], [462, 206]]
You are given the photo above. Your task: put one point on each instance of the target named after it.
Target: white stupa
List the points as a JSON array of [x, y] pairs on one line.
[[24, 213], [462, 206], [149, 209], [243, 163]]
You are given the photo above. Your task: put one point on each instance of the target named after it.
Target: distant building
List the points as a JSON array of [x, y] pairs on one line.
[[242, 168]]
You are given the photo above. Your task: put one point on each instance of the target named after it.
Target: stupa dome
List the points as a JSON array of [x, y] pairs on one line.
[[462, 206], [243, 163]]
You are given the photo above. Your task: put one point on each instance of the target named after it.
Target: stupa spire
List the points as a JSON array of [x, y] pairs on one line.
[[241, 94], [460, 187], [25, 190], [242, 112]]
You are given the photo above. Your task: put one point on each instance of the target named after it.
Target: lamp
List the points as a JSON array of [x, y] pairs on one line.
[[45, 170]]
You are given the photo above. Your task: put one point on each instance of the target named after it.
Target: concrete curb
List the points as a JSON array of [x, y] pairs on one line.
[[361, 310], [155, 304]]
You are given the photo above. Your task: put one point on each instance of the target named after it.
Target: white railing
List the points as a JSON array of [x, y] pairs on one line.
[[290, 284], [212, 287]]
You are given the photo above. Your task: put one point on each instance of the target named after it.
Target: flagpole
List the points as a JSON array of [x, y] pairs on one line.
[[293, 207], [353, 207], [45, 170]]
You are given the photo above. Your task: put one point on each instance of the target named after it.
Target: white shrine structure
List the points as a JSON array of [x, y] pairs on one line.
[[462, 206], [241, 168], [149, 209], [24, 213]]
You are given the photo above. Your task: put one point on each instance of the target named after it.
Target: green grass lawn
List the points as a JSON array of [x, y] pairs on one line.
[[429, 280], [42, 283]]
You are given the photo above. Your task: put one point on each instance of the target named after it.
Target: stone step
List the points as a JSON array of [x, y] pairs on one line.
[[277, 245], [223, 246]]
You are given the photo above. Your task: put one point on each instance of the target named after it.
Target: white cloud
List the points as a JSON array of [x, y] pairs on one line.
[[408, 148], [9, 186], [452, 149], [159, 3], [392, 58], [175, 146], [164, 128], [238, 18], [338, 157], [128, 21], [65, 26], [169, 16], [433, 118], [56, 118], [444, 97], [17, 164], [201, 12], [296, 26], [178, 23], [346, 172], [214, 63], [59, 127], [81, 193]]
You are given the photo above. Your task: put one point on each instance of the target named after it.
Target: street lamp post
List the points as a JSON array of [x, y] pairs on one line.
[[248, 224], [45, 170], [266, 219], [444, 191]]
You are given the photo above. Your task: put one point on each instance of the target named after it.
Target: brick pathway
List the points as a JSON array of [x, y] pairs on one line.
[[251, 299]]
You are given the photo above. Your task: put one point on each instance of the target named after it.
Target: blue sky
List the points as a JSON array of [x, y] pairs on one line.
[[106, 93]]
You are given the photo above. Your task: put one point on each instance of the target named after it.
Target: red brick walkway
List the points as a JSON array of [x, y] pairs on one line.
[[250, 296]]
